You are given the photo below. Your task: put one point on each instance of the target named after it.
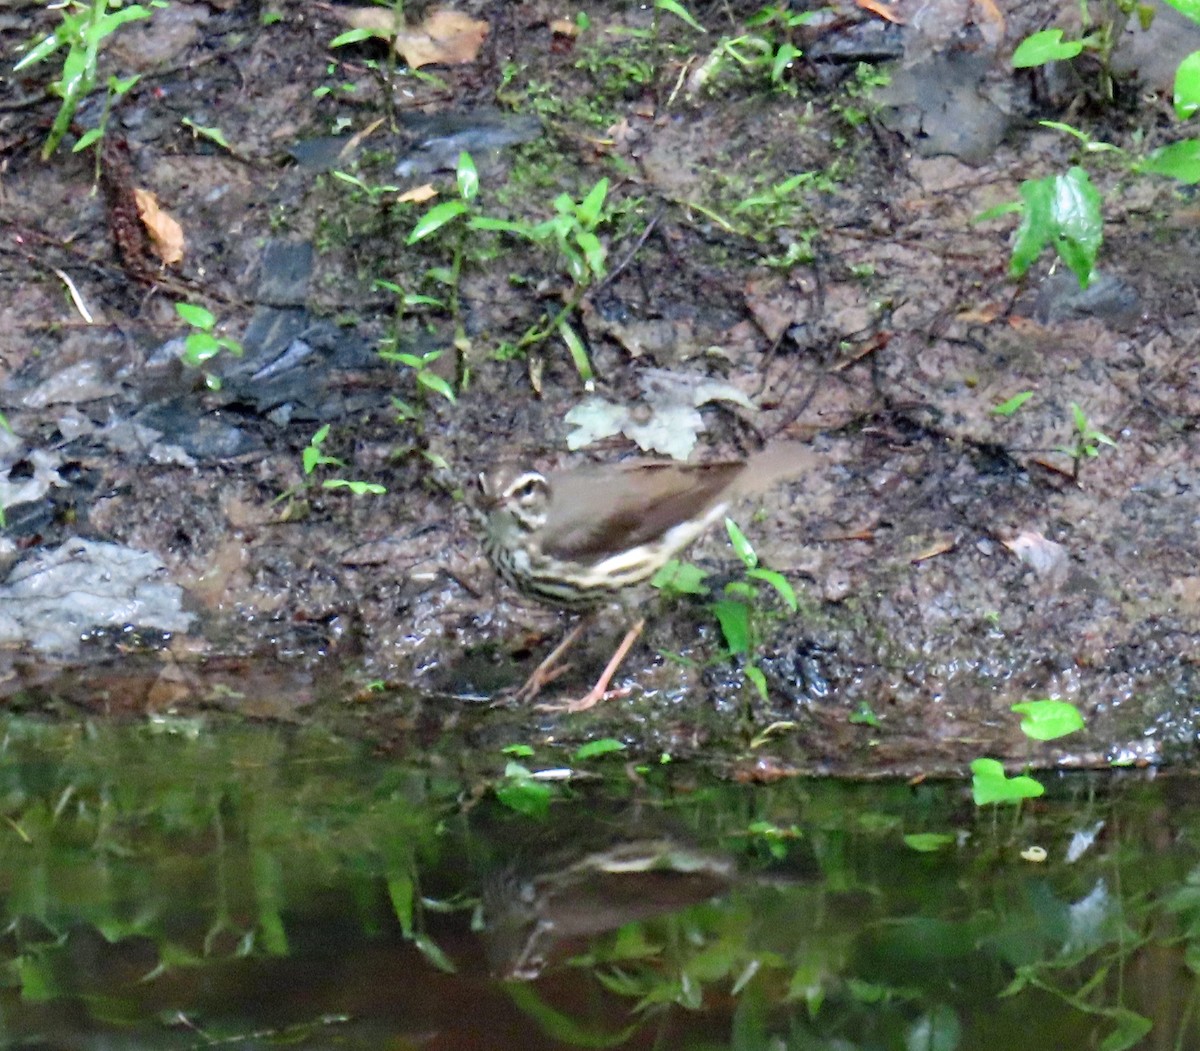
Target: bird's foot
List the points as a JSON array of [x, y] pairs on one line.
[[582, 704]]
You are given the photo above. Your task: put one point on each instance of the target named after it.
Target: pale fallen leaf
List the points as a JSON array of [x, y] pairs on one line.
[[166, 235], [448, 37], [564, 27], [419, 194], [378, 20], [1043, 556]]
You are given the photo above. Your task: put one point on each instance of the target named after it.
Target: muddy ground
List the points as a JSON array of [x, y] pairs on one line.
[[949, 561]]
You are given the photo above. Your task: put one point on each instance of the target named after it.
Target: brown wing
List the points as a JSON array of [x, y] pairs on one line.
[[594, 513]]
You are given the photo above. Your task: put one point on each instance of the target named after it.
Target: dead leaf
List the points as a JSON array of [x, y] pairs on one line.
[[880, 9], [377, 20], [448, 37], [165, 233], [419, 194], [564, 27], [938, 547], [1044, 557]]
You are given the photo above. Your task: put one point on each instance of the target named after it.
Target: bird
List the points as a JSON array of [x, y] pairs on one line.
[[578, 537]]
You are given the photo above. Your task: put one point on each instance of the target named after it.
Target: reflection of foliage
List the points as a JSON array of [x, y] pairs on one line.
[[161, 853], [147, 835]]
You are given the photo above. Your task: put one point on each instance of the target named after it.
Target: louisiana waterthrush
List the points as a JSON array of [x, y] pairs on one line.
[[576, 538]]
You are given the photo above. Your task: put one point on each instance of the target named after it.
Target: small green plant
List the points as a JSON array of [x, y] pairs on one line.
[[1087, 440], [311, 458], [82, 31], [1101, 30], [1044, 720], [738, 610], [202, 345], [571, 231], [1065, 209], [767, 46]]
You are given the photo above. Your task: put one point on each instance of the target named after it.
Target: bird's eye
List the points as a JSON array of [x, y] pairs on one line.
[[527, 491]]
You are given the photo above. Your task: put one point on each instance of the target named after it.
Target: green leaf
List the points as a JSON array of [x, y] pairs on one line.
[[755, 675], [589, 208], [779, 582], [679, 11], [433, 953], [436, 383], [864, 715], [195, 316], [734, 618], [199, 347], [741, 545], [1043, 47], [402, 892], [215, 134], [1131, 1027], [1187, 86], [579, 354], [1179, 161], [1046, 720], [436, 218], [998, 210], [353, 36], [990, 785], [1010, 407], [86, 139], [356, 487], [593, 251], [929, 842], [680, 578], [1078, 224], [1190, 8], [1035, 231], [784, 57], [521, 751], [43, 49], [593, 749], [520, 792], [468, 177]]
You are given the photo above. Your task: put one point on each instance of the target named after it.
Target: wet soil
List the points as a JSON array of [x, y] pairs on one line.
[[949, 561]]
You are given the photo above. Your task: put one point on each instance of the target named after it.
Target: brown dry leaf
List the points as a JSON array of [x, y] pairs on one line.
[[938, 547], [448, 37], [564, 27], [880, 9], [419, 194], [165, 233], [377, 20]]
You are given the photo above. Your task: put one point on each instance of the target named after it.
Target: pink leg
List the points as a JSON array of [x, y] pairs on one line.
[[546, 672], [600, 691]]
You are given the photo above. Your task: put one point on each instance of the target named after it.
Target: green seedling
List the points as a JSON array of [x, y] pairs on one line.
[[1044, 720], [81, 33], [989, 784], [373, 193], [202, 345], [1099, 37], [571, 231], [738, 610], [1013, 405], [1087, 440], [114, 90], [766, 47], [314, 457], [215, 135]]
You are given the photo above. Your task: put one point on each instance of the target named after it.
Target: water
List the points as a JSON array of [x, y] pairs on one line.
[[179, 885]]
